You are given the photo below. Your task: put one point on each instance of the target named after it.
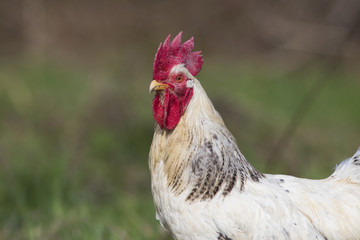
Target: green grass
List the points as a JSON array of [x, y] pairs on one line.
[[74, 143]]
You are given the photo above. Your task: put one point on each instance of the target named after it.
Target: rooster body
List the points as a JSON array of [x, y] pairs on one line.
[[204, 188]]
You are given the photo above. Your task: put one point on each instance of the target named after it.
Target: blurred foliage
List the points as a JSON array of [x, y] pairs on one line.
[[73, 161], [74, 144]]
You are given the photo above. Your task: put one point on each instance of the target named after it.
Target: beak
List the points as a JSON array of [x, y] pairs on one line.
[[156, 86]]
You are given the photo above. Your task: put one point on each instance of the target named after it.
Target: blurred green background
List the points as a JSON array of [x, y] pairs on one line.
[[75, 112]]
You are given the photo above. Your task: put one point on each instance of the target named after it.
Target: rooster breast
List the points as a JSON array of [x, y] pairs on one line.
[[263, 210]]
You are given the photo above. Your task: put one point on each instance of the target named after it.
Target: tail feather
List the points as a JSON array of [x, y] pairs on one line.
[[349, 168]]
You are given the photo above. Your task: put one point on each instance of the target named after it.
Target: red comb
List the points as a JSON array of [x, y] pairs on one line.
[[174, 53]]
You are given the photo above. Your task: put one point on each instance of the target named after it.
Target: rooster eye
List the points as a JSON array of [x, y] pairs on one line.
[[179, 78]]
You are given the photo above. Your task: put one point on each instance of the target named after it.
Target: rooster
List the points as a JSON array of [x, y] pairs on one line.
[[205, 189]]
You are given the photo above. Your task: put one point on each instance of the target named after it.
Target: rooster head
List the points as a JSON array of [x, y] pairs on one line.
[[175, 66]]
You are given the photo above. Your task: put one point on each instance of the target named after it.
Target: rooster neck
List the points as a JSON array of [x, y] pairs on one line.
[[201, 153]]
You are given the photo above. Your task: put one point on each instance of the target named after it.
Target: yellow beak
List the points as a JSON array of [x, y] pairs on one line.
[[156, 86]]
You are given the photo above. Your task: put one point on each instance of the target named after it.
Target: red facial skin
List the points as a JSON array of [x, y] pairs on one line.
[[170, 104]]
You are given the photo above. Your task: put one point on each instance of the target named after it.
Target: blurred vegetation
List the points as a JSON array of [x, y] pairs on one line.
[[73, 160], [75, 113]]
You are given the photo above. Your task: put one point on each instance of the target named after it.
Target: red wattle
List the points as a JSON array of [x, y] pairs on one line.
[[158, 110], [168, 113], [172, 112]]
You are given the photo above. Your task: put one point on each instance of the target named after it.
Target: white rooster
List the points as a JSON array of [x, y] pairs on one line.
[[205, 189]]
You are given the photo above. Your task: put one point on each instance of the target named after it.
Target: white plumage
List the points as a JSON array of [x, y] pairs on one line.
[[204, 188]]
